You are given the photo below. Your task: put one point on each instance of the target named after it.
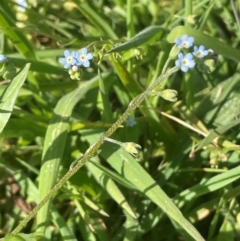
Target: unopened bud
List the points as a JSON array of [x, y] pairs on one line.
[[131, 148], [169, 94], [174, 52]]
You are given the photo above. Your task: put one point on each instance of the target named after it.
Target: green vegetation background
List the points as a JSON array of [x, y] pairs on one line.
[[189, 148]]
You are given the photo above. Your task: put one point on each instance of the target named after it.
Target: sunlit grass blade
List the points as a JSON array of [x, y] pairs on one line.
[[210, 185], [66, 232], [110, 187], [9, 96], [141, 38]]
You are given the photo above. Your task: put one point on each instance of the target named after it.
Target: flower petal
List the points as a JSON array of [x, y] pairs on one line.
[[180, 56], [184, 37], [66, 66], [73, 54], [191, 64], [184, 68], [189, 56], [66, 53], [89, 56], [86, 63], [62, 60], [177, 62], [83, 51]]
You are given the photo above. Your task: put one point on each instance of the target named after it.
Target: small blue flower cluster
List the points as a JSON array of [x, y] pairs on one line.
[[72, 60], [76, 59], [187, 61]]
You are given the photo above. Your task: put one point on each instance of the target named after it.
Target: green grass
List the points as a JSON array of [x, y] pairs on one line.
[[61, 179]]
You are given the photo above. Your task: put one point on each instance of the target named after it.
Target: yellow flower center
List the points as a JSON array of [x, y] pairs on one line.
[[83, 57], [69, 59], [184, 62]]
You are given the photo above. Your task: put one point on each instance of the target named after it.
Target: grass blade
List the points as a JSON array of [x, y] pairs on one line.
[[9, 96]]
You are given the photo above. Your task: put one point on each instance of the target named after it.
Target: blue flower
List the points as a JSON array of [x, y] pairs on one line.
[[83, 58], [184, 41], [185, 61], [200, 51], [69, 59], [131, 121], [3, 58]]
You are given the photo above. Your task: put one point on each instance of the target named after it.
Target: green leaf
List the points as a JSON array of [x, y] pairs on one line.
[[9, 96], [40, 67], [210, 185], [12, 237], [110, 186], [66, 231], [209, 42], [143, 37]]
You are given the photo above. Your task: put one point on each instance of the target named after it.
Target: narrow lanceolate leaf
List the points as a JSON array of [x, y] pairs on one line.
[[141, 38], [210, 185], [9, 96], [209, 42], [127, 80], [110, 187]]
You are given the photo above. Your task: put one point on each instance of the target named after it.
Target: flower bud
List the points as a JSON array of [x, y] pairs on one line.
[[131, 148], [169, 94], [174, 52]]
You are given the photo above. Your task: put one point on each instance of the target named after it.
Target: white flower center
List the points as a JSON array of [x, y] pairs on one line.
[[199, 53]]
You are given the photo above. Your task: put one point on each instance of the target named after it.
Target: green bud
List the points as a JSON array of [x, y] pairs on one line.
[[70, 71], [208, 66], [74, 75], [174, 52], [77, 75], [131, 148], [191, 19], [138, 53], [169, 94]]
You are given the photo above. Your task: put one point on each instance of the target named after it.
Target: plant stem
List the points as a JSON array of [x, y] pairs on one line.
[[188, 11], [130, 31]]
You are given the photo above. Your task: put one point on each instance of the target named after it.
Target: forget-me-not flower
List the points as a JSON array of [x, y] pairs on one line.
[[185, 61], [184, 41], [83, 57], [200, 51], [131, 121], [3, 58], [69, 59]]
